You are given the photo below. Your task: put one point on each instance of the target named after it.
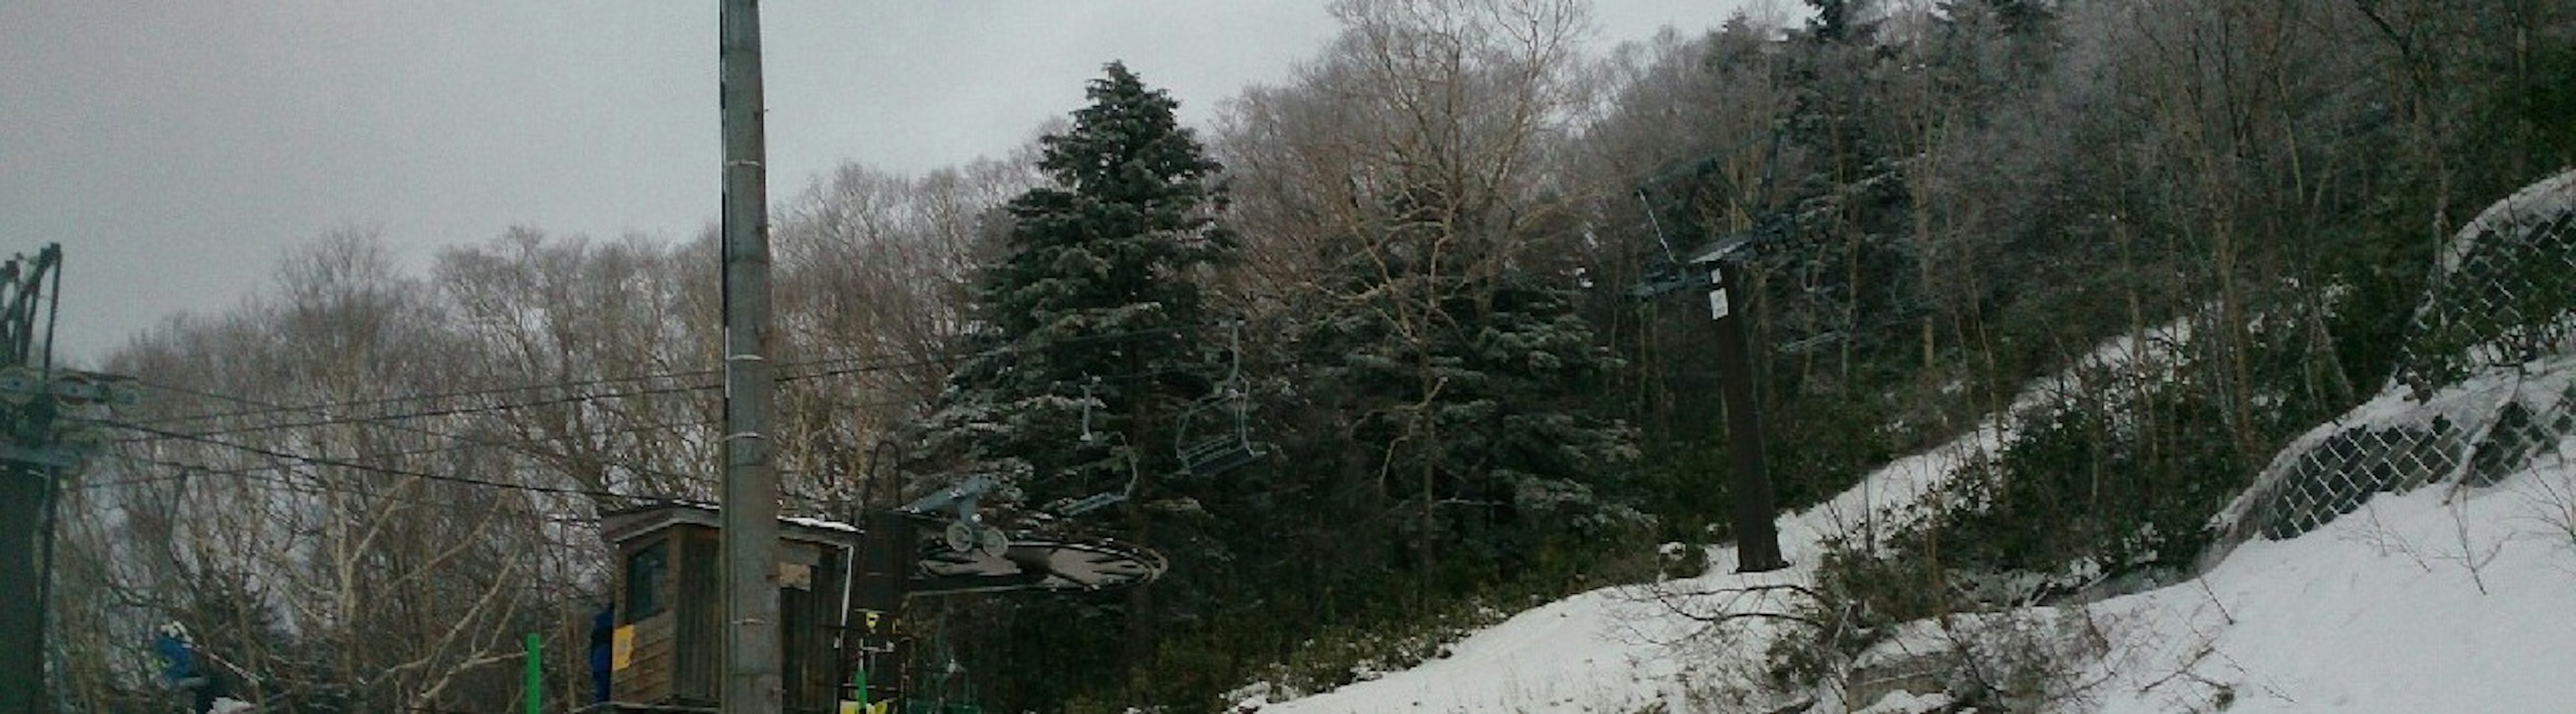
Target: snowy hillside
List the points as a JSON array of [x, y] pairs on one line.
[[2435, 600], [1633, 647], [1614, 649], [2415, 554], [2446, 598]]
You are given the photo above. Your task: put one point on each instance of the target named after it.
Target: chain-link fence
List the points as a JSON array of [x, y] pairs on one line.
[[2504, 292], [2487, 387]]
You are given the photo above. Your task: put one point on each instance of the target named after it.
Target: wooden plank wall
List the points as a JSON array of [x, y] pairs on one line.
[[698, 671], [810, 665], [647, 676]]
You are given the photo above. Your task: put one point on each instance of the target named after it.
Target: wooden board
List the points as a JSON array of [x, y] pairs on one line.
[[647, 676]]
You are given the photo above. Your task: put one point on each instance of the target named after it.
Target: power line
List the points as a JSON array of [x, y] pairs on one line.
[[342, 463], [316, 407], [423, 414], [521, 446], [382, 401], [256, 473], [186, 471], [151, 433], [524, 446], [327, 407], [864, 364]]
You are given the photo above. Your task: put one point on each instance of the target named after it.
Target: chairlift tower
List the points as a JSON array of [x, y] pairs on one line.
[[32, 464], [1757, 536]]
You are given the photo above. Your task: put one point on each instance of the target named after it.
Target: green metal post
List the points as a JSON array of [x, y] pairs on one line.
[[859, 683], [536, 673]]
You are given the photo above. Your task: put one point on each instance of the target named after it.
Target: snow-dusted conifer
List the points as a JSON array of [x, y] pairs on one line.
[[1090, 320]]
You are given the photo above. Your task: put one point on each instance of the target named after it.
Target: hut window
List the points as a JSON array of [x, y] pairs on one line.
[[646, 570]]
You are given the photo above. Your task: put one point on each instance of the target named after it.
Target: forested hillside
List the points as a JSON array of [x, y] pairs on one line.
[[1414, 276]]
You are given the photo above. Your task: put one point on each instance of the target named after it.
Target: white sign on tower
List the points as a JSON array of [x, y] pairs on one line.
[[1717, 307]]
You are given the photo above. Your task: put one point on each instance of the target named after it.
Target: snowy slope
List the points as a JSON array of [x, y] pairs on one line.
[[2447, 598], [1631, 647], [1628, 648], [2439, 600]]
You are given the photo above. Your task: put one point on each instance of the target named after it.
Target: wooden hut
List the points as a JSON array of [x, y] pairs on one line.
[[668, 647]]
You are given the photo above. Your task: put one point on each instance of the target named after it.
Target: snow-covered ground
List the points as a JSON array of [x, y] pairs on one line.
[[2441, 600], [1626, 648], [2446, 598]]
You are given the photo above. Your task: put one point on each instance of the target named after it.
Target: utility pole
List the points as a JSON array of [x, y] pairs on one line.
[[750, 509], [1757, 538], [30, 460]]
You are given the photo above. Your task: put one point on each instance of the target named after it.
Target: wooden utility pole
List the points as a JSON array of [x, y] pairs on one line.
[[1757, 538], [750, 515]]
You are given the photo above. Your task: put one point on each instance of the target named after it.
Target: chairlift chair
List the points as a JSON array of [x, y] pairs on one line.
[[1220, 453], [1212, 455], [1103, 499]]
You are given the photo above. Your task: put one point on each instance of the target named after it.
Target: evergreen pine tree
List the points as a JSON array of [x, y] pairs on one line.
[[1469, 377], [1841, 21], [1088, 341], [1091, 320]]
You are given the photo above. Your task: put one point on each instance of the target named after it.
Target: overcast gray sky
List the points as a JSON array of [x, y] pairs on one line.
[[177, 148]]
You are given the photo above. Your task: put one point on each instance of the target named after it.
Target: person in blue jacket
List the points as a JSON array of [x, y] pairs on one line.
[[179, 653], [603, 628]]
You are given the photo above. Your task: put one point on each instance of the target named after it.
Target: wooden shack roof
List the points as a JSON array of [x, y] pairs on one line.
[[626, 524]]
